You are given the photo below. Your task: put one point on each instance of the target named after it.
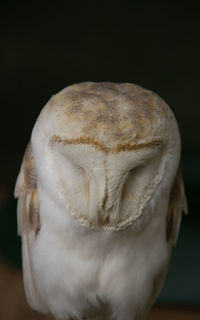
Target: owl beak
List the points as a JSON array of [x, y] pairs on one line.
[[112, 196]]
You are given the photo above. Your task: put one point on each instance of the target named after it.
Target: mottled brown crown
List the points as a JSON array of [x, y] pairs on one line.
[[109, 114]]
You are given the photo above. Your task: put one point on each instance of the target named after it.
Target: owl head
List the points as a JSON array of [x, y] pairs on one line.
[[105, 150]]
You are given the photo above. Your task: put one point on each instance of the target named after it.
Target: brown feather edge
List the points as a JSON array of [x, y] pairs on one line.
[[177, 205], [27, 188], [120, 147]]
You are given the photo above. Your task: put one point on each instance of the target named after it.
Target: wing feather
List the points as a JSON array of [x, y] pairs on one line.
[[177, 205], [28, 221]]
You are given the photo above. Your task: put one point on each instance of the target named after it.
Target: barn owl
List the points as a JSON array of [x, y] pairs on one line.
[[100, 199]]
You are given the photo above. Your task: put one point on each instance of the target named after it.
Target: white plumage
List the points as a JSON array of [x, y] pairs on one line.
[[100, 197]]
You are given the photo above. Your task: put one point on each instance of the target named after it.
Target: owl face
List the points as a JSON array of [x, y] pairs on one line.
[[105, 148]]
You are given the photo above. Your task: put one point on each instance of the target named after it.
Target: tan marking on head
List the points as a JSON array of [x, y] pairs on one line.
[[80, 140], [100, 146], [110, 113], [129, 147]]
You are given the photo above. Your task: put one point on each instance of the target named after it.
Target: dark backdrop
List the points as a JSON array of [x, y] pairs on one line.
[[47, 45]]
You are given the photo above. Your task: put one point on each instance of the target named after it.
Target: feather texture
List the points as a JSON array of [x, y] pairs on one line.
[[177, 205], [99, 202], [28, 220]]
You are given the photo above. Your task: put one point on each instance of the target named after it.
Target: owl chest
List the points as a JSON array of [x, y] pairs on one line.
[[74, 266]]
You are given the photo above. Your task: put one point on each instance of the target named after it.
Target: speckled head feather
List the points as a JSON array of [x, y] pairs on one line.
[[123, 122], [113, 116]]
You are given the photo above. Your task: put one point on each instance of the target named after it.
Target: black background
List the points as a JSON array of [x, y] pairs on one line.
[[48, 45]]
